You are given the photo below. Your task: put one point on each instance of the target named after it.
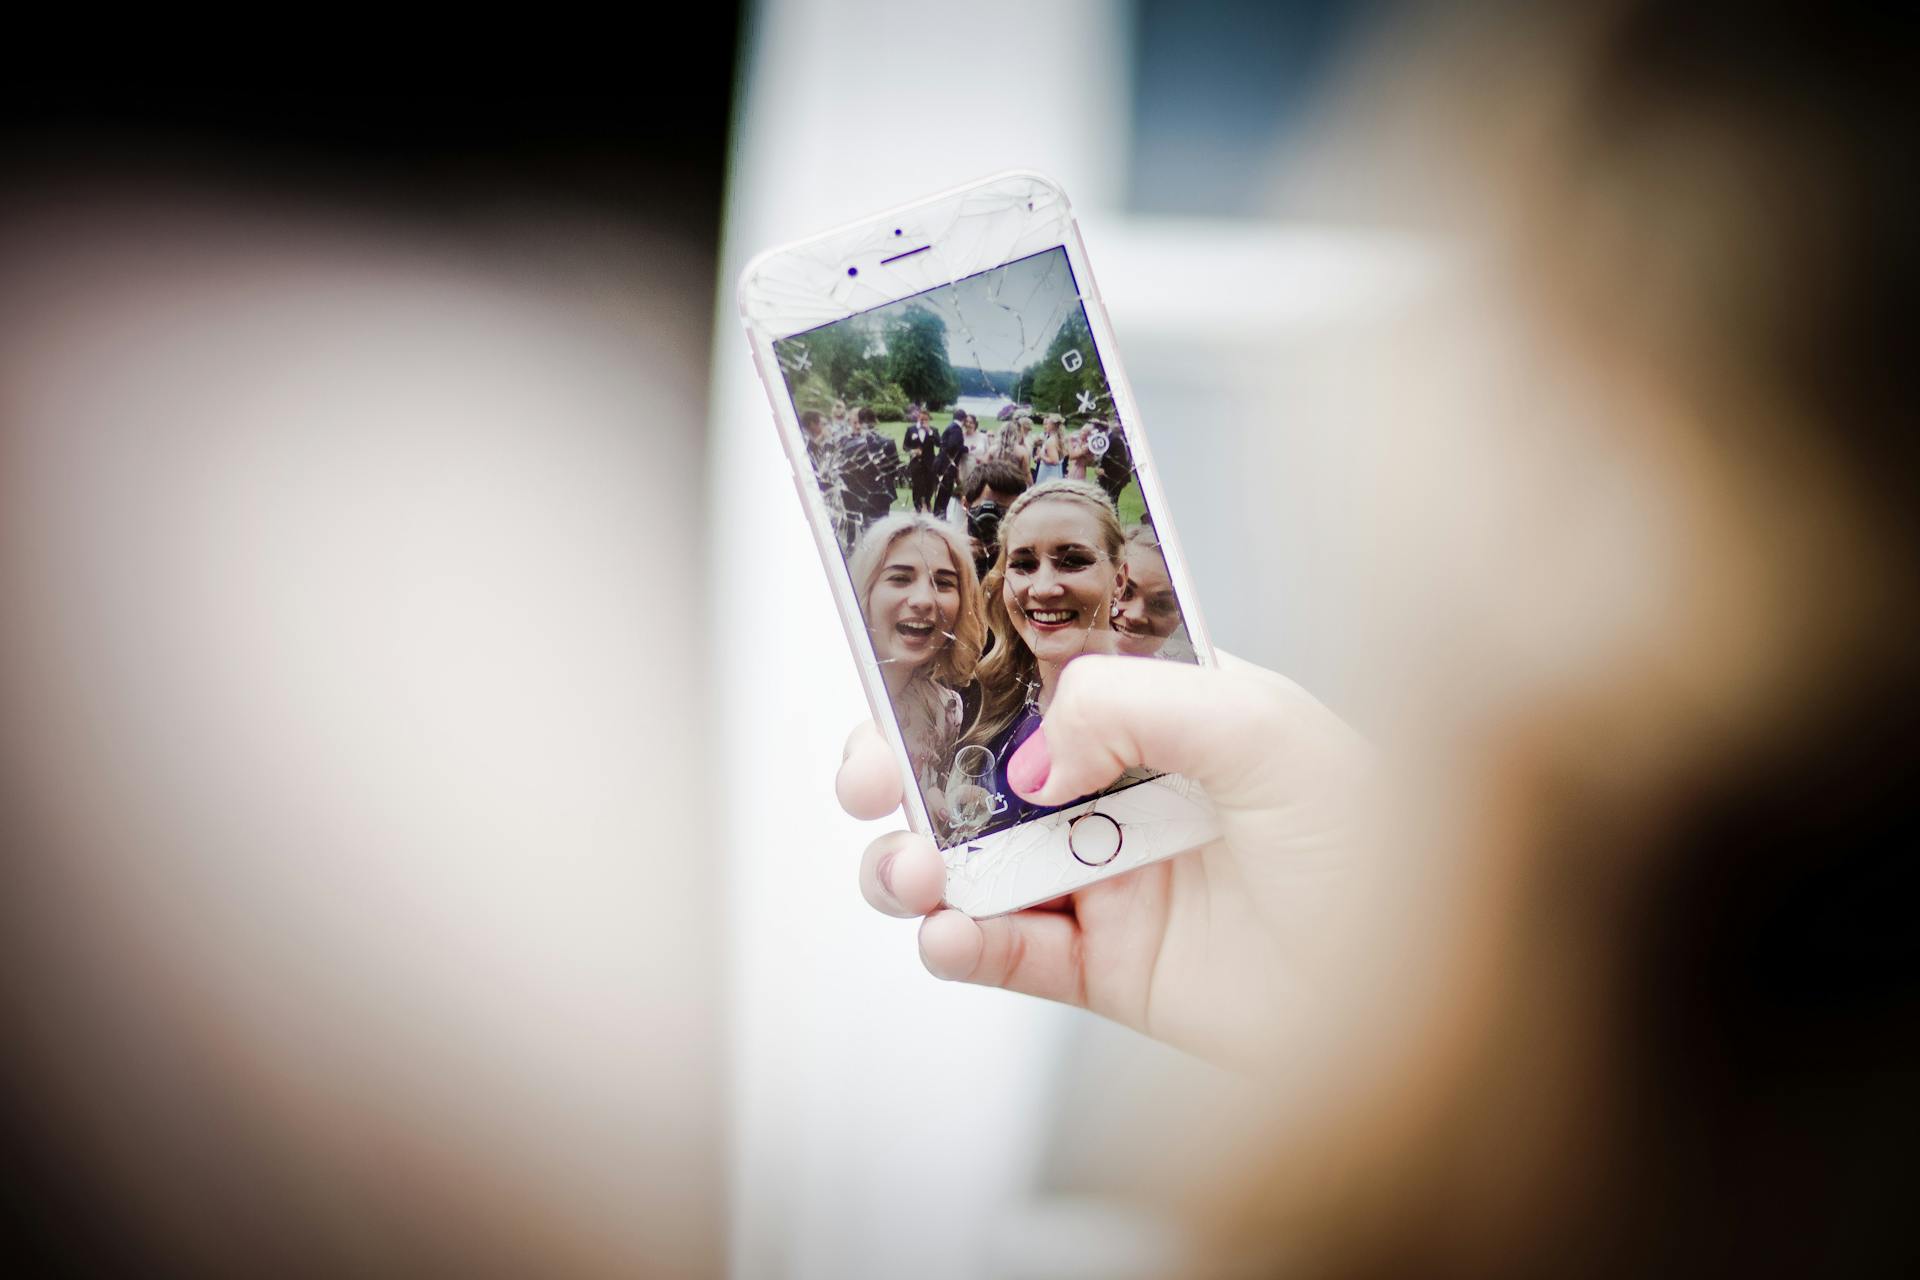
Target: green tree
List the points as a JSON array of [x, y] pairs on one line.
[[886, 399], [917, 358], [838, 351], [1053, 387], [811, 392]]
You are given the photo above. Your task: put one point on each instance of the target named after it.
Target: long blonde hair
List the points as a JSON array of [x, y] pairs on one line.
[[954, 666], [1010, 668]]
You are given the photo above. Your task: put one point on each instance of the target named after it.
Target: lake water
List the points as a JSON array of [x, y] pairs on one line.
[[982, 407]]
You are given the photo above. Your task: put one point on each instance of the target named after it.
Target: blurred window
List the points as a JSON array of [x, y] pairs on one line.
[[1221, 88]]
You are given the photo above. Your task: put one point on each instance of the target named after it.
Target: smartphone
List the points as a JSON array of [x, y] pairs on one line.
[[976, 475]]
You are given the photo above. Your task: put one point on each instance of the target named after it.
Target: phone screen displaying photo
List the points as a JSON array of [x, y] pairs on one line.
[[982, 493]]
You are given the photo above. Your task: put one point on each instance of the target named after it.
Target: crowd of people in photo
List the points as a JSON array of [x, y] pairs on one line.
[[1006, 559], [861, 468]]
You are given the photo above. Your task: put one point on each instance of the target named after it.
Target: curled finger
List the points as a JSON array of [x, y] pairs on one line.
[[902, 874], [868, 784]]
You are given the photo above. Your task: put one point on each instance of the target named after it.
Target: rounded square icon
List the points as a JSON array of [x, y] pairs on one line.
[[1072, 361]]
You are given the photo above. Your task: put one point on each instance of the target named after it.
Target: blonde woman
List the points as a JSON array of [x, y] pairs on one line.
[[1013, 444], [1049, 599], [922, 603], [1051, 463], [1077, 452], [1146, 613], [979, 443]]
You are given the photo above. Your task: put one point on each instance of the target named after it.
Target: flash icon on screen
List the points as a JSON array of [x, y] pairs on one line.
[[1071, 361]]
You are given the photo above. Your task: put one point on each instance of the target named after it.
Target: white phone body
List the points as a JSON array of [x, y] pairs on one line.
[[932, 251]]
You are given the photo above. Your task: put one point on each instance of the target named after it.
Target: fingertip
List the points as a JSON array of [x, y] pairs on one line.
[[902, 874], [865, 731], [950, 945], [865, 797], [917, 877], [868, 785]]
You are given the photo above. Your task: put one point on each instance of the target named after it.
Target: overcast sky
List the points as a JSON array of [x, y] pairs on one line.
[[1002, 319]]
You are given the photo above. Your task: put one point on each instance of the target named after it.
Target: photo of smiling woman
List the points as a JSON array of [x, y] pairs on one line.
[[1146, 613], [921, 599], [1049, 598]]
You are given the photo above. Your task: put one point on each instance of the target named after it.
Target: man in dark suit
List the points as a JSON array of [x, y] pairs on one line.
[[953, 453], [868, 472], [923, 458]]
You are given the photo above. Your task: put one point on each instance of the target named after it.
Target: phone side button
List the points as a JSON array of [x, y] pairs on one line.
[[1094, 839]]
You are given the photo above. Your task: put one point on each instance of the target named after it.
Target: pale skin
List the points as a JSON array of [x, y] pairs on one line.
[[1052, 448], [1076, 448], [1145, 611], [1060, 586], [911, 605], [1195, 949], [1198, 950]]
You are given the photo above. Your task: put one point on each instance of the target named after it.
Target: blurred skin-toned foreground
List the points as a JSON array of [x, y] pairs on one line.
[[1601, 963]]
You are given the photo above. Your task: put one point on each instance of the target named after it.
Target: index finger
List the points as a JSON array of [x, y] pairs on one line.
[[869, 782]]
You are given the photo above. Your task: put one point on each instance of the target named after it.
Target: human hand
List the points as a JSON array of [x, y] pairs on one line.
[[1212, 950]]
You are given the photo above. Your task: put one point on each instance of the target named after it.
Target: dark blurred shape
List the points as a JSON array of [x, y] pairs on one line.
[[441, 121], [1769, 1020]]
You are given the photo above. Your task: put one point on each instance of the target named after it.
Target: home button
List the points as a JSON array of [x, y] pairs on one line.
[[1094, 839]]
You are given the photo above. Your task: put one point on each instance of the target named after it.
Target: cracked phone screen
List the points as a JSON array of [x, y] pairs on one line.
[[977, 477]]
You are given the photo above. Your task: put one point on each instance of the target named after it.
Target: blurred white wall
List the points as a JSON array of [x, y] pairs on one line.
[[359, 910]]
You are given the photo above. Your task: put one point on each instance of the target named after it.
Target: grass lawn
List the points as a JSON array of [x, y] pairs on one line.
[[1132, 506]]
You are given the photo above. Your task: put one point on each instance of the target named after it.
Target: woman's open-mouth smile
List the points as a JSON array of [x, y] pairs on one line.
[[915, 634], [1052, 619]]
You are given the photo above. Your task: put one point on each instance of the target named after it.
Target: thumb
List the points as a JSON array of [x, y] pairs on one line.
[[1249, 737]]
